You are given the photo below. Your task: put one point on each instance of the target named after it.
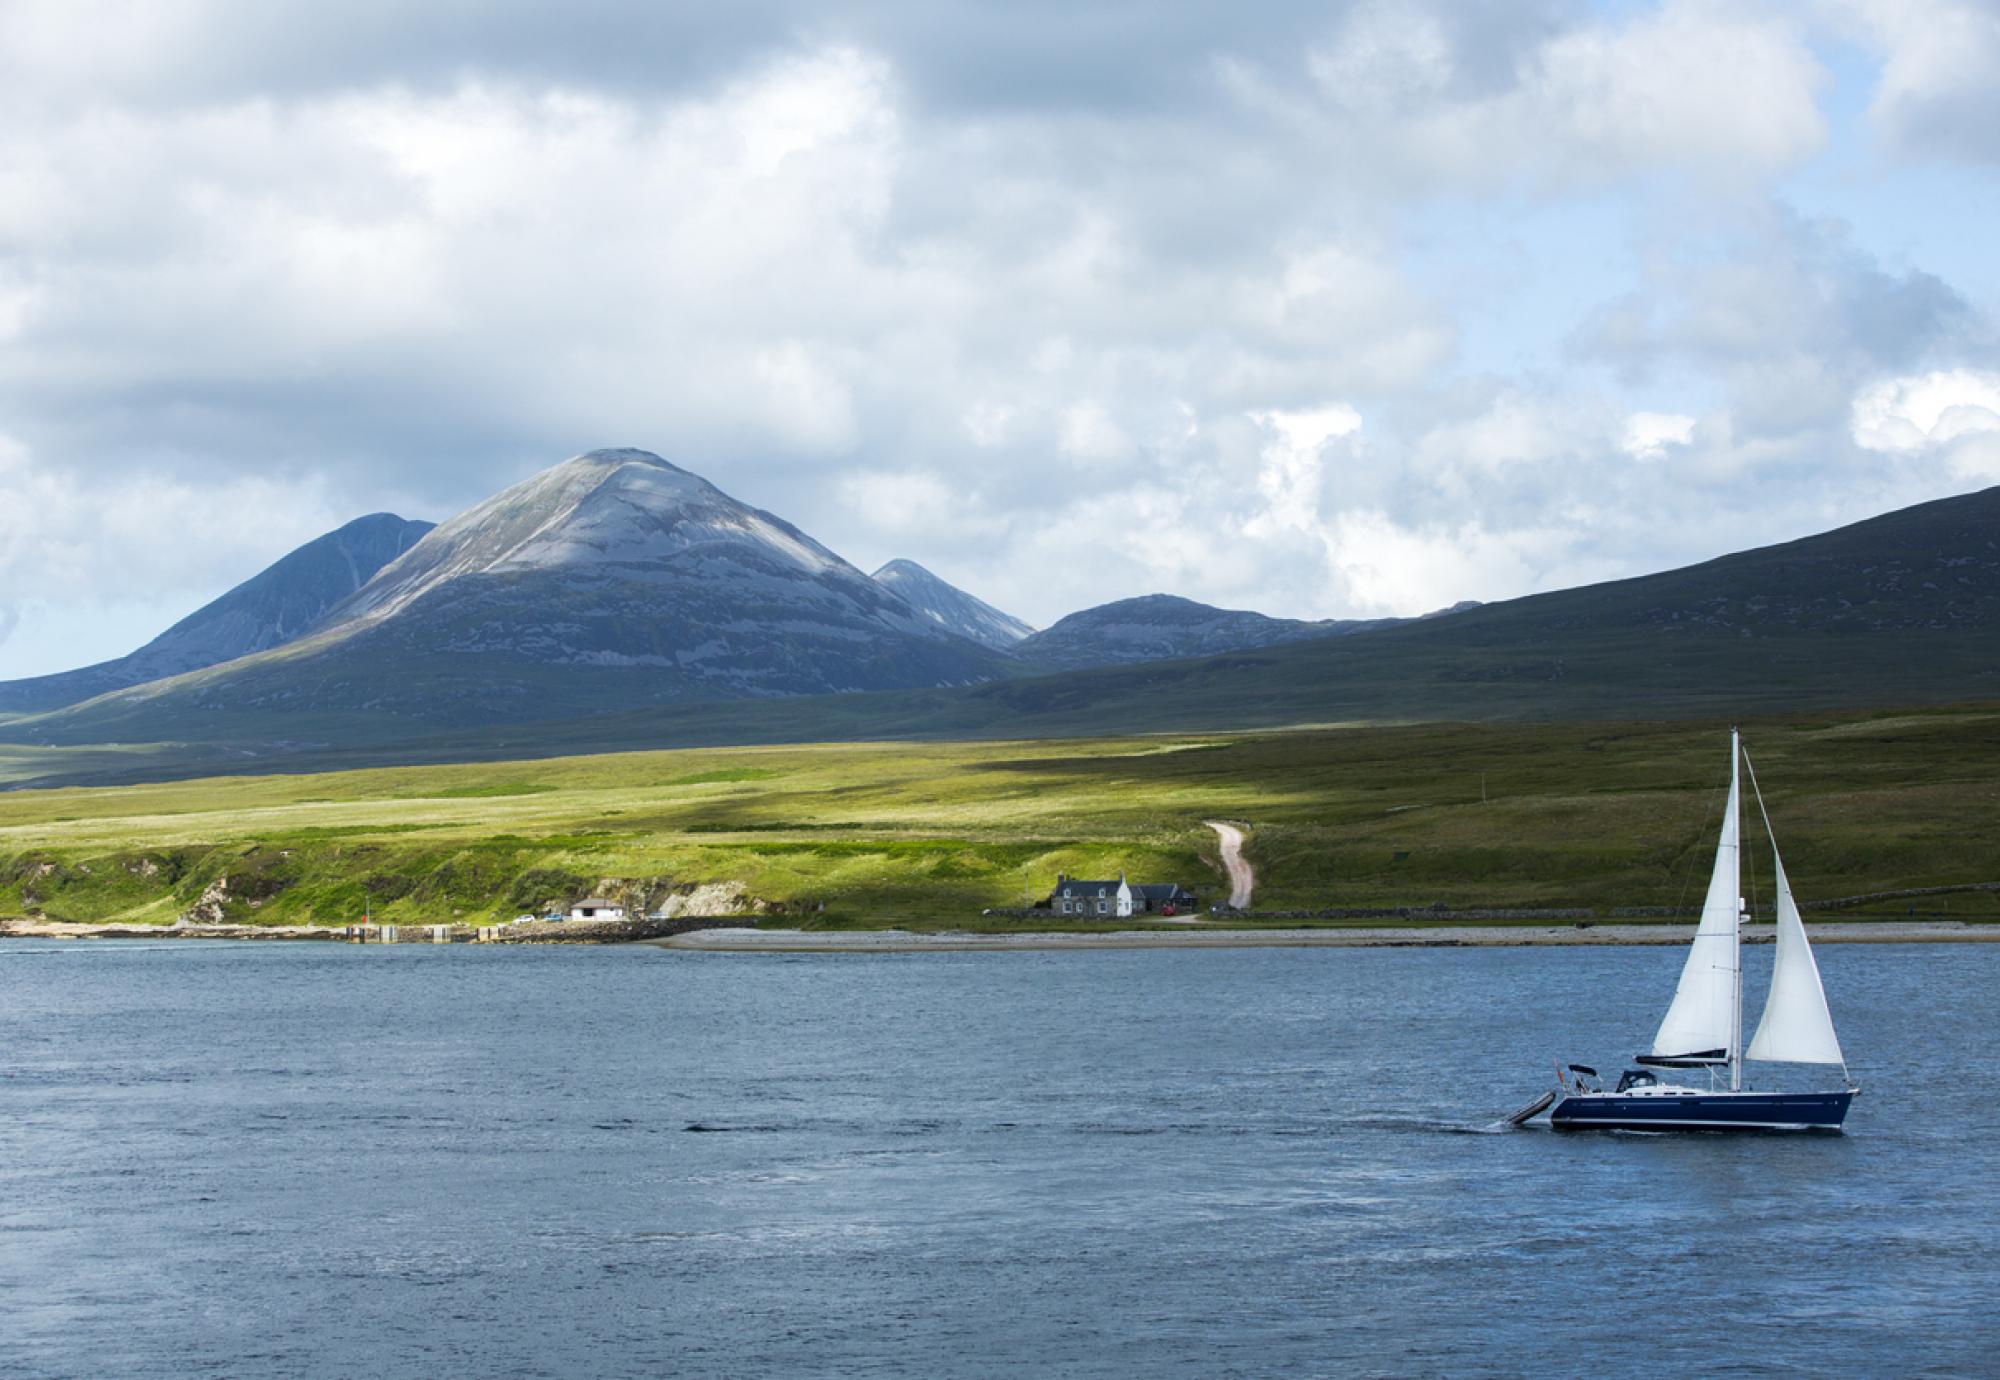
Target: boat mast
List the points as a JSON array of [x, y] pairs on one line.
[[1736, 933]]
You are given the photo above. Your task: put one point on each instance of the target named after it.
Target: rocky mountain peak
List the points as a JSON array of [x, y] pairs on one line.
[[620, 514], [613, 579], [950, 607]]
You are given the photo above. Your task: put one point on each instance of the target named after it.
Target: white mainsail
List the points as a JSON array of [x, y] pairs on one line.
[[1797, 1028], [1704, 1014]]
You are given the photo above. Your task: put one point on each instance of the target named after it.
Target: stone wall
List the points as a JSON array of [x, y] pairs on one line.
[[1325, 913], [1406, 913]]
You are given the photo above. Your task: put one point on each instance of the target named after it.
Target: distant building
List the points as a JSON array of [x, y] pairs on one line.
[[1120, 898], [596, 908], [1163, 898]]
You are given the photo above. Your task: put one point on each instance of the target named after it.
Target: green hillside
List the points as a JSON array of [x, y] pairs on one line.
[[1596, 815]]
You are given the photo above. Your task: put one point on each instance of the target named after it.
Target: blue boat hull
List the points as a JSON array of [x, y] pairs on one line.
[[1718, 1111]]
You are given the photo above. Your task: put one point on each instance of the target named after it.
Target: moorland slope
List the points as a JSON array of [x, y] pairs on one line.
[[1602, 816]]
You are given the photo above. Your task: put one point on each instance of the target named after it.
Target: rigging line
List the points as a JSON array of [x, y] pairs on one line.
[[1751, 772], [1769, 833], [1749, 857]]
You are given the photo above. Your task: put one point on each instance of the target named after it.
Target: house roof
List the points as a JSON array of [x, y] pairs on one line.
[[596, 903], [1070, 886]]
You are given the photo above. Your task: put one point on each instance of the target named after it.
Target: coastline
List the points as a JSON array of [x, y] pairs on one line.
[[24, 928], [742, 939], [745, 940]]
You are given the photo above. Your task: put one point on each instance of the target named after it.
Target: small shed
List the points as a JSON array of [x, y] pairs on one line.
[[596, 908]]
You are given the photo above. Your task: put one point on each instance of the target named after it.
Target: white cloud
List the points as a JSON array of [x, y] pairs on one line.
[[559, 261], [1648, 434], [1936, 94], [988, 423], [151, 541], [1722, 92], [1387, 60], [1976, 457], [1513, 430], [902, 504], [1920, 411], [807, 404], [1307, 430], [1087, 432], [61, 537], [1704, 85], [961, 283], [1390, 568], [1291, 476]]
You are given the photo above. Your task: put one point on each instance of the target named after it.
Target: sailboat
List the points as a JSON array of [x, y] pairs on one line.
[[1703, 1028]]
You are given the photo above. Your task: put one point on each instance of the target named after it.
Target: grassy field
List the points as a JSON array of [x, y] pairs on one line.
[[1597, 815]]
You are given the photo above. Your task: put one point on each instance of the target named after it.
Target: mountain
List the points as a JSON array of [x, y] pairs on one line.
[[950, 607], [1895, 610], [1157, 627], [1899, 610], [609, 581], [268, 610]]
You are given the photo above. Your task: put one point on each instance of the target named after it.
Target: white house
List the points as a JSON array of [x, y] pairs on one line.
[[596, 908], [1073, 897], [1120, 898]]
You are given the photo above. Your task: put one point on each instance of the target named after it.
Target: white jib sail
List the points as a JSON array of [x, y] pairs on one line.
[[1703, 1016], [1797, 1028]]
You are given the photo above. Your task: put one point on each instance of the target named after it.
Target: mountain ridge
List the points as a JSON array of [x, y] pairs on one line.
[[951, 607], [610, 580], [1163, 627], [281, 603], [1897, 610]]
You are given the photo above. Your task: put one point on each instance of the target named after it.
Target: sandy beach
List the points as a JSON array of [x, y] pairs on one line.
[[1406, 936]]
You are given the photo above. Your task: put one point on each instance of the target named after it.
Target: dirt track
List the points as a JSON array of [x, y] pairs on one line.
[[1242, 880]]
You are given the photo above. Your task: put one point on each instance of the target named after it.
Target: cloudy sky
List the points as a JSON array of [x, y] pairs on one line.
[[1323, 309]]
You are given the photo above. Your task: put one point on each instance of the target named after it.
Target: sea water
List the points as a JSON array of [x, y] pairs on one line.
[[296, 1159]]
